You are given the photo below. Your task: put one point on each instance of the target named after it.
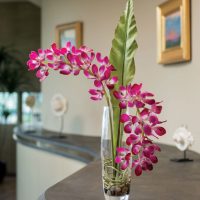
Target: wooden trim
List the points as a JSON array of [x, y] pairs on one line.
[[176, 54]]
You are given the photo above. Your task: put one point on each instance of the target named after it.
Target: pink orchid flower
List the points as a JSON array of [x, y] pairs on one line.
[[36, 59], [139, 150], [97, 94], [131, 96]]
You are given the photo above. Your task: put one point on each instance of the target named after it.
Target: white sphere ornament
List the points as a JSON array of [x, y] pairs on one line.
[[59, 105], [183, 138]]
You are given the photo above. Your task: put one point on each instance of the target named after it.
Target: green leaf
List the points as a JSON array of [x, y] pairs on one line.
[[122, 58], [124, 46]]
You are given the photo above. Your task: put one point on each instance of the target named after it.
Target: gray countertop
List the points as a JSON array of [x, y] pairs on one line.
[[168, 181], [82, 148]]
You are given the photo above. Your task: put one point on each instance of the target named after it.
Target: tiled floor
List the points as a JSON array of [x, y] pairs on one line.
[[8, 189]]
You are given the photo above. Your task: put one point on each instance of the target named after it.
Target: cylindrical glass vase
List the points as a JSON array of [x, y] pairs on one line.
[[116, 182]]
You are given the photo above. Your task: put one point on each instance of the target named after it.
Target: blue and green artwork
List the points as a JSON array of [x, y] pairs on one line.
[[173, 30]]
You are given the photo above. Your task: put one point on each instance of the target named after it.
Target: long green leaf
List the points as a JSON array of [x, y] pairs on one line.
[[124, 46], [122, 58]]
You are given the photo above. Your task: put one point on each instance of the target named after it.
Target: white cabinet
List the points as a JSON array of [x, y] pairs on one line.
[[37, 170]]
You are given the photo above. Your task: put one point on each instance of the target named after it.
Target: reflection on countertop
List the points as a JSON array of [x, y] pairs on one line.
[[79, 147]]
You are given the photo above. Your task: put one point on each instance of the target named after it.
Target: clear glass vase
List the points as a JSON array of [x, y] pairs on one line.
[[116, 182]]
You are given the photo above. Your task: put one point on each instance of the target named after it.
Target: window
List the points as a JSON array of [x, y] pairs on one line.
[[8, 108]]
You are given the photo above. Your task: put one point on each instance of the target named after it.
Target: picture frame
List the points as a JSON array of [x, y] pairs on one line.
[[174, 31], [69, 32]]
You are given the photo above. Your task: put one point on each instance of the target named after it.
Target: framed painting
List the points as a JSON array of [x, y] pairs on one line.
[[173, 31], [69, 32]]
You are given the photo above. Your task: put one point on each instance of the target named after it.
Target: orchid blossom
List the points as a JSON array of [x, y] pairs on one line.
[[70, 60], [140, 150]]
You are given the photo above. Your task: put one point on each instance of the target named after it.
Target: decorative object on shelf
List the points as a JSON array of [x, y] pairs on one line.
[[174, 30], [30, 102], [183, 140], [130, 122], [59, 107], [69, 32]]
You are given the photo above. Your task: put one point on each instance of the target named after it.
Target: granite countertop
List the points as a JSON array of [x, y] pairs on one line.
[[79, 147], [168, 181]]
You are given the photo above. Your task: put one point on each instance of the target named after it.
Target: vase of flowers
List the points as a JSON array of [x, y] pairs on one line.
[[116, 181], [130, 120]]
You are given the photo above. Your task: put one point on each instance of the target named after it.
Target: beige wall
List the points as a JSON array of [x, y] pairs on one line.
[[99, 18], [177, 85]]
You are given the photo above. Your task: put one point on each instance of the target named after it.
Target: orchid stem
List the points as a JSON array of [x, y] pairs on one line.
[[111, 127]]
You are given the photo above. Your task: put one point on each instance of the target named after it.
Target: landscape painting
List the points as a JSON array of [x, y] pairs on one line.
[[68, 36], [173, 30], [70, 32]]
